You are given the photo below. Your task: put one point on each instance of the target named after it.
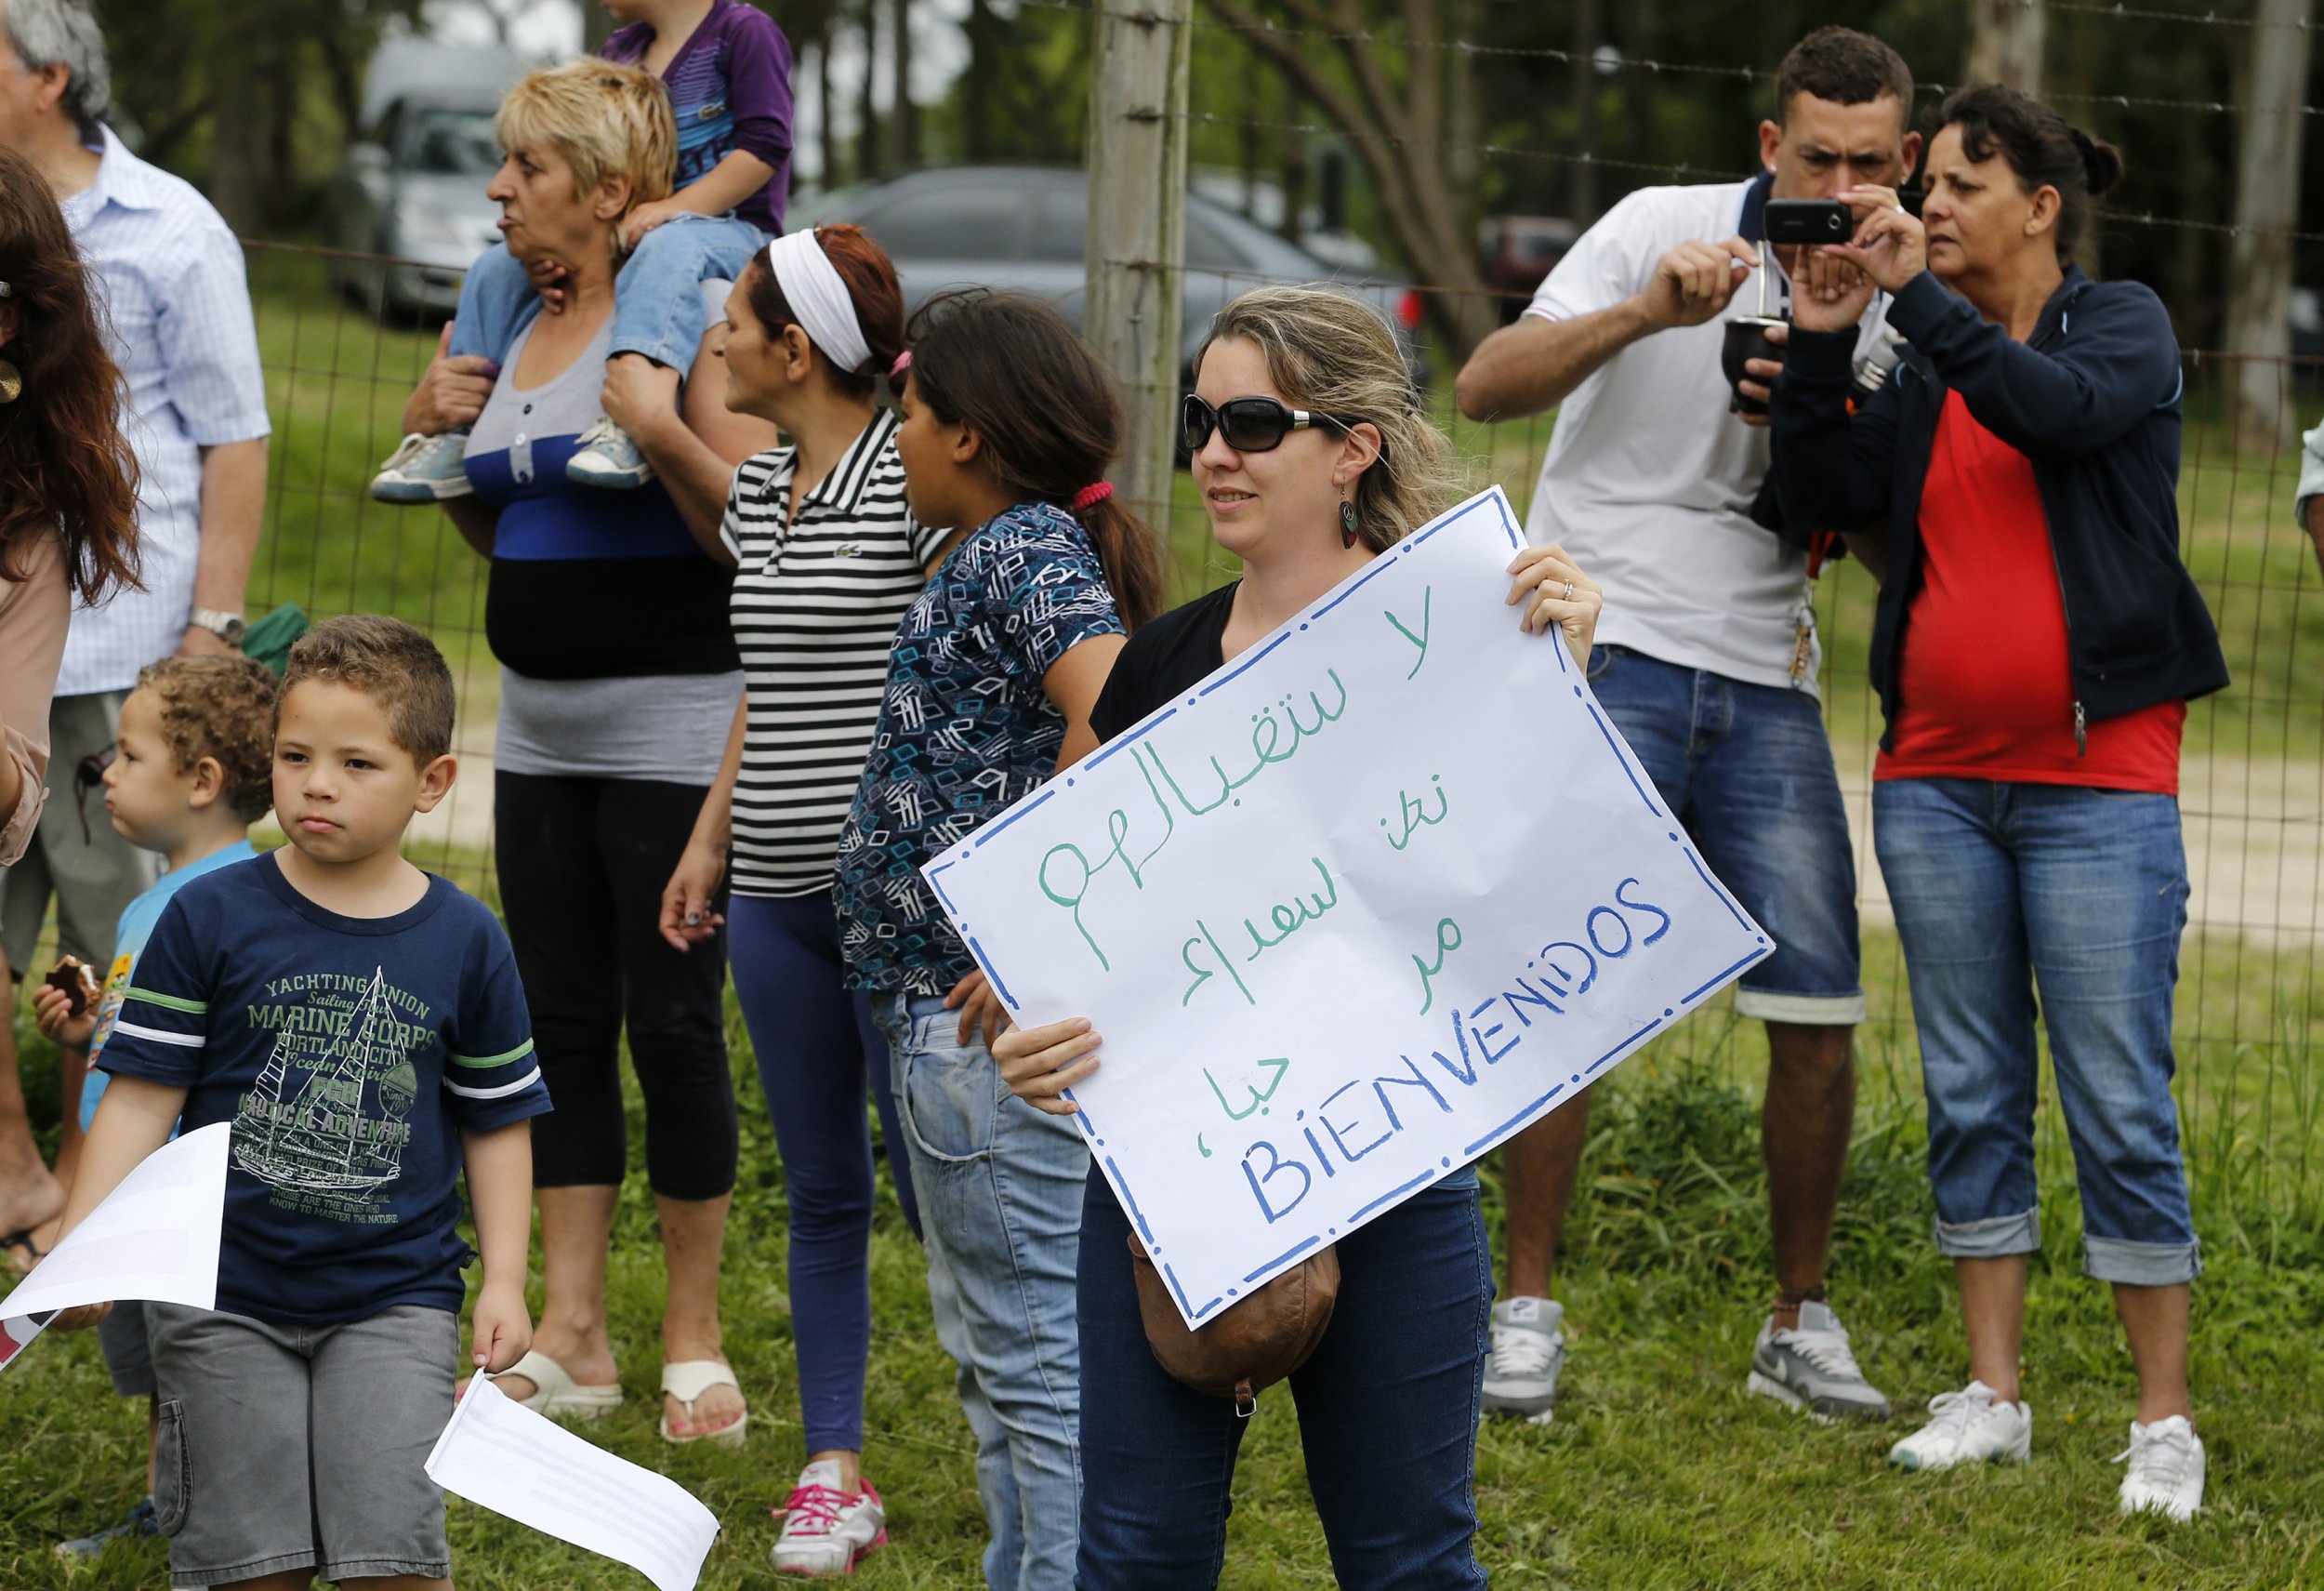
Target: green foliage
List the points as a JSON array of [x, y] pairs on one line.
[[1660, 1471]]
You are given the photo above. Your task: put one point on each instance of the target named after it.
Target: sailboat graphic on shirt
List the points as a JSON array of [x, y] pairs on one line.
[[329, 1111]]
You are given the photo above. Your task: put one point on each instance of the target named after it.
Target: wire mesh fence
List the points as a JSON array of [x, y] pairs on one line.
[[2249, 1028]]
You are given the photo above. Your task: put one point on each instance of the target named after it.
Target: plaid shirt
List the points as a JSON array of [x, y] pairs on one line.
[[170, 276]]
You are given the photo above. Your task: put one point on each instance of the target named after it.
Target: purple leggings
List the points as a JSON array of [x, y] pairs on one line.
[[818, 1051]]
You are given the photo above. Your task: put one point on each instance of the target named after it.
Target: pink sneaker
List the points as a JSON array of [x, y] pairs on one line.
[[824, 1530]]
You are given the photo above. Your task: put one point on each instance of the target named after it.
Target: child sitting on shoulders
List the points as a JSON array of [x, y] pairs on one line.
[[728, 70], [361, 1024], [191, 771]]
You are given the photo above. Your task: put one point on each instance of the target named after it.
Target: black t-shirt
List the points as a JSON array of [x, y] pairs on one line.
[[1166, 656]]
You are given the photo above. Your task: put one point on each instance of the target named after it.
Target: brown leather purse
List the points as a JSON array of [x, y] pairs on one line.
[[1255, 1343]]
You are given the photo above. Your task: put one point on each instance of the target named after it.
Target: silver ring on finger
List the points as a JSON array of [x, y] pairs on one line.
[[1569, 591]]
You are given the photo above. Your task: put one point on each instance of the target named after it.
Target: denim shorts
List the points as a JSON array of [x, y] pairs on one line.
[[2004, 891], [1749, 770], [301, 1447]]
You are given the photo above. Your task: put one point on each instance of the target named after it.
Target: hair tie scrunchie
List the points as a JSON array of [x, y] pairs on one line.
[[818, 298], [903, 363], [1089, 497]]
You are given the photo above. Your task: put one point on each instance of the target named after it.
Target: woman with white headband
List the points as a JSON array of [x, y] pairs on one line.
[[830, 558]]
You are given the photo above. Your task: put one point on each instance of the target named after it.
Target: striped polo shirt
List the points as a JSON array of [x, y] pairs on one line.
[[815, 605]]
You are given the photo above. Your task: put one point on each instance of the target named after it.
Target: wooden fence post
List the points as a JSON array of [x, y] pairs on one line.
[[1137, 240]]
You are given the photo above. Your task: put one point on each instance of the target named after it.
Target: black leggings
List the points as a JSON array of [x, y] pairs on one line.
[[582, 865]]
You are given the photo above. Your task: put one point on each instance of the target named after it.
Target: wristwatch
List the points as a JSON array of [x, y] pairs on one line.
[[227, 626]]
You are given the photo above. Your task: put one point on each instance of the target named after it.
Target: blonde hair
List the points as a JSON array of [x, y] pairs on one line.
[[602, 120], [1333, 354]]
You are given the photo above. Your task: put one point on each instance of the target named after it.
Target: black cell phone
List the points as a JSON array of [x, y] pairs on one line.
[[1808, 220]]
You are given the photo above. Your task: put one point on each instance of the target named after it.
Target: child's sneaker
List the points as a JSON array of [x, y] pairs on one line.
[[606, 456], [824, 1530], [425, 469], [2166, 1469], [1528, 1350], [1811, 1367], [144, 1521], [1970, 1427]]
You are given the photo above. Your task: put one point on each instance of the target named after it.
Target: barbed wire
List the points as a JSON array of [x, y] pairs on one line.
[[1683, 169], [1618, 62]]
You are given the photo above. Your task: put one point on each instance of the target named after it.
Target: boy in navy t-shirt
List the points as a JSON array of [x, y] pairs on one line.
[[361, 1024], [728, 70]]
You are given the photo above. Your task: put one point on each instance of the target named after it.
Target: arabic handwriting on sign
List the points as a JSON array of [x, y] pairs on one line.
[[1204, 975], [1287, 919], [1414, 814], [1068, 890], [1267, 744], [1428, 596], [1447, 941], [1279, 1065]]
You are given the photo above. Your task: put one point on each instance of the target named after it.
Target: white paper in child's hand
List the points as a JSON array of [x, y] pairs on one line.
[[500, 1456], [155, 1237]]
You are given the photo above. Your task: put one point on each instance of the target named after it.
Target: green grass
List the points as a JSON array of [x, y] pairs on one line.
[[1659, 1472]]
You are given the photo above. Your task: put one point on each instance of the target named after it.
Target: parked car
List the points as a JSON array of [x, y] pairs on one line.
[[1025, 227], [413, 190], [1517, 252]]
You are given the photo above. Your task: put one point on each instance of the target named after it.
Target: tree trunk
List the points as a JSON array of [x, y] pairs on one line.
[[237, 136], [1139, 73], [986, 51], [868, 148], [1588, 24], [2267, 207], [1401, 138], [826, 114], [903, 133], [2007, 39]]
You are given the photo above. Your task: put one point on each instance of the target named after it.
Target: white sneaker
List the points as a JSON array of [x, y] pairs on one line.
[[1528, 1350], [1970, 1427], [824, 1530], [2166, 1469], [609, 456], [425, 469], [1811, 1367]]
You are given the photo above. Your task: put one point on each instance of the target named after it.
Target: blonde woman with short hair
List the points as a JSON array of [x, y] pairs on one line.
[[619, 676], [1313, 456]]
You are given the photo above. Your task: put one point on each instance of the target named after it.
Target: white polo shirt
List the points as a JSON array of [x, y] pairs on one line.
[[1649, 480]]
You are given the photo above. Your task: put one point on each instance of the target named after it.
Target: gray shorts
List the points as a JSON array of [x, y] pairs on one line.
[[127, 1354], [301, 1447]]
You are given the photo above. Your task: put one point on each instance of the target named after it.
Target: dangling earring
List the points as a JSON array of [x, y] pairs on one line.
[[1347, 520], [11, 382]]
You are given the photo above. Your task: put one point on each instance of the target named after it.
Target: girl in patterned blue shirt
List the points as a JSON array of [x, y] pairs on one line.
[[1009, 424]]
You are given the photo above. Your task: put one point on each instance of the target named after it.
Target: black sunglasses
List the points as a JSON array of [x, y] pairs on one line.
[[1249, 425], [87, 776]]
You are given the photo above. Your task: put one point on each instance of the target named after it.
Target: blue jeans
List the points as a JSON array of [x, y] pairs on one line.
[[657, 298], [2002, 889], [817, 1049], [1749, 770], [1000, 1186], [1389, 1405]]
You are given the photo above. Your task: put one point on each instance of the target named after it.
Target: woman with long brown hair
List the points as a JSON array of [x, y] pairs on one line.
[[68, 527], [1009, 424], [67, 481]]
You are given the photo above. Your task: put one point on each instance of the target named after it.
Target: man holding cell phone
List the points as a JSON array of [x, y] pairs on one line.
[[1707, 655]]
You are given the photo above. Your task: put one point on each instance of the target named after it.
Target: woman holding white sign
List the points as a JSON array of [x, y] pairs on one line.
[[1314, 457]]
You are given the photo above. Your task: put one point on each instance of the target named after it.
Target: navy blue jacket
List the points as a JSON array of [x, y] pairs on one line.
[[2093, 400]]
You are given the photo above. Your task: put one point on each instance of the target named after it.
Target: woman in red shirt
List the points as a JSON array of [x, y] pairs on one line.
[[2037, 641]]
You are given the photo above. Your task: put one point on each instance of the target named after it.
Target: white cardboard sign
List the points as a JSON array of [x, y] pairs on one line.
[[1379, 893]]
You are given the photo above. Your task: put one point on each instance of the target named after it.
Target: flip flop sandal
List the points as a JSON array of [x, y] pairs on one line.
[[556, 1394], [687, 1380], [24, 1240]]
